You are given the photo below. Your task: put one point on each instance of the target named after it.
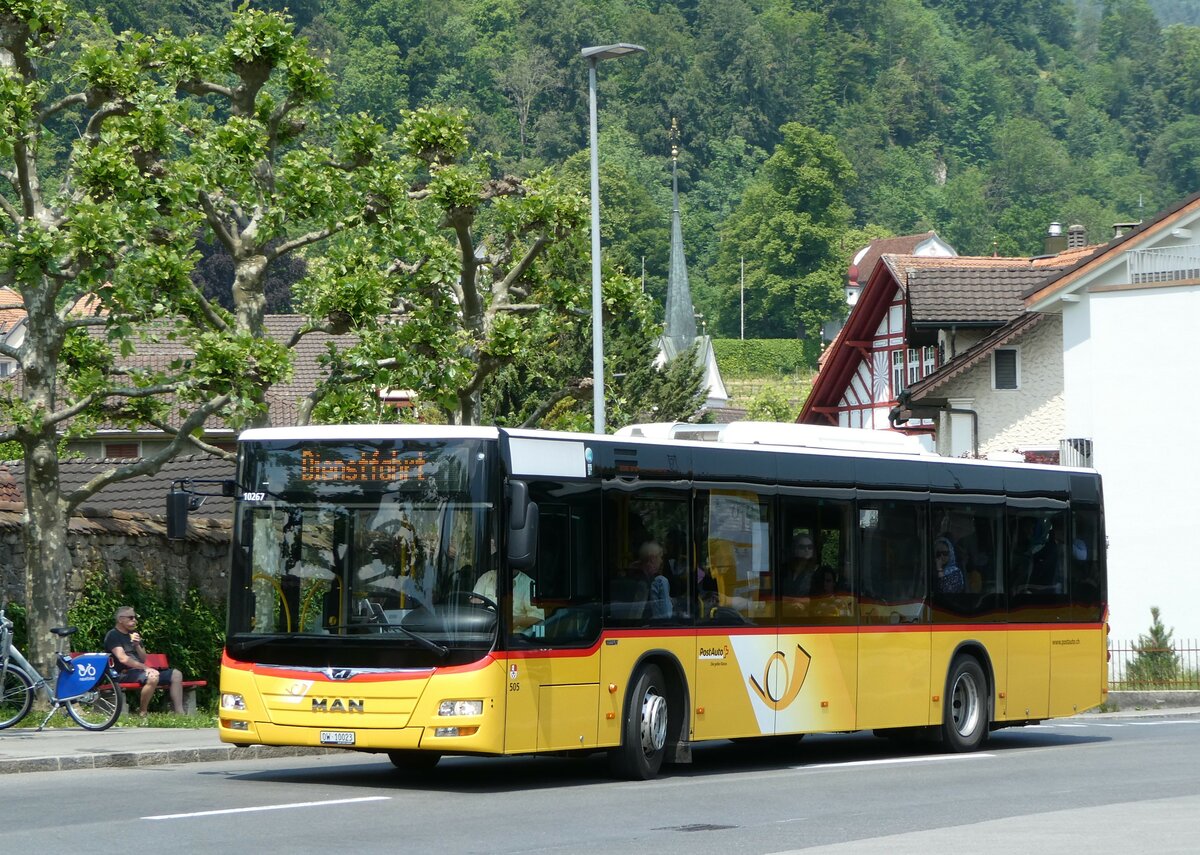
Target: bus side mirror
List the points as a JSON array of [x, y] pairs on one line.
[[522, 527], [178, 504]]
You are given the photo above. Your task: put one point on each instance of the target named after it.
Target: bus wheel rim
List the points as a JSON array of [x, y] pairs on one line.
[[654, 722], [964, 704]]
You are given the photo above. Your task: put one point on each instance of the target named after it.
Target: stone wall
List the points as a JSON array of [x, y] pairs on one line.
[[114, 542]]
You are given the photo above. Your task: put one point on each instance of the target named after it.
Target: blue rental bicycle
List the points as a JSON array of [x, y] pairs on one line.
[[85, 687]]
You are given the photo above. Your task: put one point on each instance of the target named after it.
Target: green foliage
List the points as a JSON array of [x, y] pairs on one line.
[[758, 356], [17, 614], [779, 251], [771, 405], [1156, 664], [187, 629]]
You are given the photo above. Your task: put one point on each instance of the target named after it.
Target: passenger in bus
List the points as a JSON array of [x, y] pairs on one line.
[[827, 594], [1046, 573], [675, 562], [650, 566], [802, 568], [524, 612], [948, 576], [973, 558]]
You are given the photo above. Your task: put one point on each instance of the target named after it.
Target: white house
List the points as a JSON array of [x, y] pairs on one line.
[[1130, 314]]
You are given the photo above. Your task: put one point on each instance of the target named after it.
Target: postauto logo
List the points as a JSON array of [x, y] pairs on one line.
[[721, 652]]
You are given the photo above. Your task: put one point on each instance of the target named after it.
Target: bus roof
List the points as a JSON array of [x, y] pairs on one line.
[[783, 434], [365, 431]]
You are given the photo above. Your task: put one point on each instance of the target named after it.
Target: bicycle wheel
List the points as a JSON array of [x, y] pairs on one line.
[[100, 708], [16, 696]]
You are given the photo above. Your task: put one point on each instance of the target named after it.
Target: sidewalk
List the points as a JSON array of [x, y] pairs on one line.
[[64, 749]]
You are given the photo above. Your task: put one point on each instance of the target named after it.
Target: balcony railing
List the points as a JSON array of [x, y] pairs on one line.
[[1169, 264]]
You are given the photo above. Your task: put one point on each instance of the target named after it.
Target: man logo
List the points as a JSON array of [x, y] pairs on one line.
[[791, 683], [338, 705]]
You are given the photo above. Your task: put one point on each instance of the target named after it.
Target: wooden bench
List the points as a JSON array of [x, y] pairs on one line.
[[159, 660]]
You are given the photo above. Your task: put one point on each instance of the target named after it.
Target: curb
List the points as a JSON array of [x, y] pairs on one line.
[[1163, 699], [131, 759]]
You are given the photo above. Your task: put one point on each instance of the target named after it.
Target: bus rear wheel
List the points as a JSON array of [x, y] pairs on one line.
[[644, 733], [965, 712]]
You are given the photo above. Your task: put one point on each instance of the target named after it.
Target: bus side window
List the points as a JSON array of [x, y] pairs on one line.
[[893, 561], [564, 606]]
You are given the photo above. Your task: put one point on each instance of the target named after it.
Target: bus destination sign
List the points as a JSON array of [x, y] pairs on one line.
[[321, 465]]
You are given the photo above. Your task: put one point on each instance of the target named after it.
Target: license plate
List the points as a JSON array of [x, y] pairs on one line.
[[337, 737]]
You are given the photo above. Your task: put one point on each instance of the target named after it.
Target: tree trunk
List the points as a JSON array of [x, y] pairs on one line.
[[47, 558], [468, 408], [250, 310]]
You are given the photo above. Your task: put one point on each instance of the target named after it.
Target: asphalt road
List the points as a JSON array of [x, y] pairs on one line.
[[1074, 785]]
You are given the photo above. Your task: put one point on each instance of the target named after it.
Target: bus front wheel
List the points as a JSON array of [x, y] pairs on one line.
[[413, 762], [965, 713], [644, 733]]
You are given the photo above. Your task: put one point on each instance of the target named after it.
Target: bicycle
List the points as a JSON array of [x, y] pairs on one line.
[[85, 688]]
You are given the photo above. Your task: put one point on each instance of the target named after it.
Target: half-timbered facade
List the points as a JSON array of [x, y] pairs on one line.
[[916, 315]]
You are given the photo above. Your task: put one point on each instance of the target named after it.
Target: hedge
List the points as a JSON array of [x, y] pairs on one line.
[[756, 357]]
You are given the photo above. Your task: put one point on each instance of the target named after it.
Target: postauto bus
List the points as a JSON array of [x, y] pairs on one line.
[[422, 591]]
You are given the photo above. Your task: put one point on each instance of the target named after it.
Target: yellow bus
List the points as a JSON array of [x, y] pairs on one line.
[[422, 591]]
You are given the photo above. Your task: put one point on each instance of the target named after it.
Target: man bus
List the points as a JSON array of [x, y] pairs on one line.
[[358, 619]]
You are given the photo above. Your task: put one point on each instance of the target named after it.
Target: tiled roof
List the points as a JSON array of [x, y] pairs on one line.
[[146, 494], [903, 245], [10, 315], [979, 290], [284, 398], [12, 519], [725, 415]]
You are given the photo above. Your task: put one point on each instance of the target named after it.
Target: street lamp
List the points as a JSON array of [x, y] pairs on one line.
[[593, 55]]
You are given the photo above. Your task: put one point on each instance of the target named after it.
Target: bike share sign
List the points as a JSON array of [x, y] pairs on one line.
[[87, 670]]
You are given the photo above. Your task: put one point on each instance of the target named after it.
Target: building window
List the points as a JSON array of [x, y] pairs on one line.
[[897, 372], [6, 368], [929, 358], [1006, 369], [914, 365], [121, 450]]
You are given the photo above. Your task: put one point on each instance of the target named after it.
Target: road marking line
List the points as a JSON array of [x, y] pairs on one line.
[[1071, 725], [1157, 723], [268, 807], [894, 760]]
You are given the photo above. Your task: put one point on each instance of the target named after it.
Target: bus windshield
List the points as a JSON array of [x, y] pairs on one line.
[[365, 550]]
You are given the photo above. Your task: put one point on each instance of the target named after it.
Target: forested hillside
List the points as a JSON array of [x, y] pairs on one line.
[[807, 125]]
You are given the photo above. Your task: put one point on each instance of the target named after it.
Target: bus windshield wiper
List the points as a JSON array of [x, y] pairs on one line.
[[429, 644], [266, 639]]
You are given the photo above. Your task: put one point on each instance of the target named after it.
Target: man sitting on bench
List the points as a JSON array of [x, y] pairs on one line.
[[124, 644]]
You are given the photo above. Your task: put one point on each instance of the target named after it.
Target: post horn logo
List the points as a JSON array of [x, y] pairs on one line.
[[791, 681]]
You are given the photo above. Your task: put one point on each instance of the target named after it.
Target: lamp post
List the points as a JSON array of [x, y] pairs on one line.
[[593, 55]]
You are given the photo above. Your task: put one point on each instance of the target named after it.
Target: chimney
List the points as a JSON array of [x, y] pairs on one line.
[[1120, 229], [1076, 237], [1056, 242]]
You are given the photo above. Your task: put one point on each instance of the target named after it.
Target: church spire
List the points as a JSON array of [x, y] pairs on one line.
[[680, 326]]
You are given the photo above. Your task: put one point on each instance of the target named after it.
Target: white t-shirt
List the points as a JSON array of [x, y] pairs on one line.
[[524, 611]]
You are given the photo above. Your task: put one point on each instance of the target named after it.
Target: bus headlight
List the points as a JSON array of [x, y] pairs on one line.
[[455, 731], [460, 708], [230, 701]]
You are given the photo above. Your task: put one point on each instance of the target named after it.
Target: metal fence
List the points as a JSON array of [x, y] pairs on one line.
[[1133, 667]]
